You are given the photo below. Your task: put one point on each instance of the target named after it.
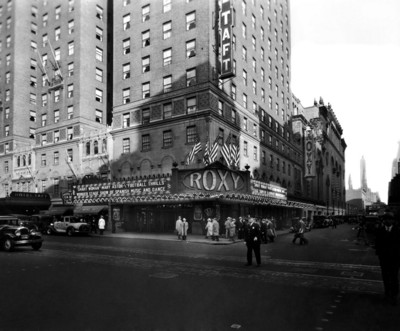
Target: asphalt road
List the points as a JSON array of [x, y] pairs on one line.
[[102, 283]]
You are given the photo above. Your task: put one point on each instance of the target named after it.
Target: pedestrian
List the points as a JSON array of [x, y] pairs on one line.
[[232, 230], [271, 233], [227, 225], [264, 231], [93, 225], [253, 241], [362, 231], [387, 245], [178, 227], [215, 230], [240, 227], [301, 227], [102, 224], [209, 228], [184, 228]]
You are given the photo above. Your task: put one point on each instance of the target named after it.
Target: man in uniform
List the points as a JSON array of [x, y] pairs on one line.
[[253, 240]]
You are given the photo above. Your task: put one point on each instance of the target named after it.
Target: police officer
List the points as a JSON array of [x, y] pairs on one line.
[[253, 241]]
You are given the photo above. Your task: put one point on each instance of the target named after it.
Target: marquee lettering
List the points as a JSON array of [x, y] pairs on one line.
[[214, 180]]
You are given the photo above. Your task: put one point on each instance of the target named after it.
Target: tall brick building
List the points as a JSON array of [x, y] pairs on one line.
[[113, 90]]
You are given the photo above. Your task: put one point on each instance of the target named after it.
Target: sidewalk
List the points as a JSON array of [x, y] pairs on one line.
[[196, 238]]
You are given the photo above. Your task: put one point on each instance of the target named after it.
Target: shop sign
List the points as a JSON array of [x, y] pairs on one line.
[[268, 190], [216, 180], [126, 189], [226, 22]]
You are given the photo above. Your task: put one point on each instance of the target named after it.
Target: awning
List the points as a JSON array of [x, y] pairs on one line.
[[58, 210], [85, 210]]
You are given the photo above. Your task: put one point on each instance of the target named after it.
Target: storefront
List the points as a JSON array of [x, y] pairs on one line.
[[153, 203]]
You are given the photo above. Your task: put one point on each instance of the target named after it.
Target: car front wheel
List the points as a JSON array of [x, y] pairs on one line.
[[70, 232], [8, 245], [37, 246]]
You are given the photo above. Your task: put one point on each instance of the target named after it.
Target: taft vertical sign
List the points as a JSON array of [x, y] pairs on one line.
[[310, 154], [226, 22]]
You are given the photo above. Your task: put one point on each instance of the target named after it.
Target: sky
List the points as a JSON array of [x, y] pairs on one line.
[[348, 53]]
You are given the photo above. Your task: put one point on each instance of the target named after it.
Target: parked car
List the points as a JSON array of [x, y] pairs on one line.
[[68, 225], [15, 235]]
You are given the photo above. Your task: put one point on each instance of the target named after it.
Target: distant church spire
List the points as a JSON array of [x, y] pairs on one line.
[[350, 183], [363, 172]]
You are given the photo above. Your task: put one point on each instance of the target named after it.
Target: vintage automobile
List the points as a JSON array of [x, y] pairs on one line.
[[68, 225], [15, 235]]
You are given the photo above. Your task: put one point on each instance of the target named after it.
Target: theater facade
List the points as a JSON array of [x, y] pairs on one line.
[[153, 203]]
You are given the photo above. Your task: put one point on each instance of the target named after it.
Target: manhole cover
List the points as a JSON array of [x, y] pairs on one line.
[[164, 275]]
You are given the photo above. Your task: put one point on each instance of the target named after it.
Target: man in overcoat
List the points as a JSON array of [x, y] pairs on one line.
[[387, 245], [253, 240]]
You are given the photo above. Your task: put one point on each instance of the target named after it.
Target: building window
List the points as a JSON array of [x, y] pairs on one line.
[[145, 90], [254, 42], [70, 112], [44, 119], [244, 53], [167, 110], [8, 78], [145, 116], [126, 21], [126, 120], [255, 131], [167, 29], [88, 146], [56, 158], [70, 69], [43, 160], [56, 136], [99, 95], [126, 92], [99, 54], [145, 64], [220, 108], [70, 133], [245, 149], [57, 12], [191, 77], [167, 139], [146, 38], [57, 33], [244, 100], [99, 75], [254, 87], [126, 145], [99, 33], [70, 155], [244, 30], [263, 157], [126, 71], [145, 13], [45, 18], [167, 84], [71, 27], [233, 91], [191, 105], [70, 90], [56, 116], [190, 21], [167, 56], [32, 99], [244, 77], [191, 48], [99, 116], [6, 130], [233, 114], [145, 142], [57, 54], [126, 46], [191, 134], [99, 12], [166, 5], [32, 115], [255, 153], [33, 28], [44, 139]]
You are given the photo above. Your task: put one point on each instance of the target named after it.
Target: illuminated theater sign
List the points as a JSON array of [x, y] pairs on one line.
[[226, 22], [268, 190]]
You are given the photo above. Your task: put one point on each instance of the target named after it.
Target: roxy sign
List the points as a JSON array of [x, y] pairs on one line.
[[214, 180]]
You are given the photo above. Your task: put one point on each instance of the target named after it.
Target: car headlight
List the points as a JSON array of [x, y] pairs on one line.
[[18, 233]]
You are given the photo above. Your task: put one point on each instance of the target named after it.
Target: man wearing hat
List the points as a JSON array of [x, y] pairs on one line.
[[252, 238], [387, 245]]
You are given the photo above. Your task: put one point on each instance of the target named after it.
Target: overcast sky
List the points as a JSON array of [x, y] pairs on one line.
[[348, 52]]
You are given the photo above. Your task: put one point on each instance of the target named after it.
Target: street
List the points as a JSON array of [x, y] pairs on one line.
[[109, 283]]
